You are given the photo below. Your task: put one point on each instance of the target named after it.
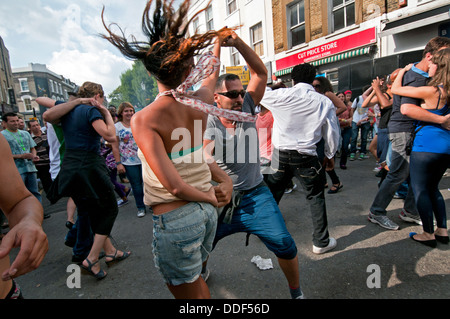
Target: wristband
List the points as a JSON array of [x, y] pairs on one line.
[[117, 163]]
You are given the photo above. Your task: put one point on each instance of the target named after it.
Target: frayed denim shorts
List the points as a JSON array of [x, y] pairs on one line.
[[182, 241]]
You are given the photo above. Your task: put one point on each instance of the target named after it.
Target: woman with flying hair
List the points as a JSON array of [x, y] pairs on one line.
[[169, 134], [430, 154]]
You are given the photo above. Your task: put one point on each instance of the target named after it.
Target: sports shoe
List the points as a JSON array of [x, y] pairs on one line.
[[141, 212], [398, 196], [410, 218], [321, 250], [352, 156], [122, 202], [363, 156], [289, 190], [383, 221]]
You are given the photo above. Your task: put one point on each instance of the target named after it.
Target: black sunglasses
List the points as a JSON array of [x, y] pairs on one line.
[[233, 94]]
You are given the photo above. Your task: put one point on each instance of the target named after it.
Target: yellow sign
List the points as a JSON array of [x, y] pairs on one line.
[[240, 70]]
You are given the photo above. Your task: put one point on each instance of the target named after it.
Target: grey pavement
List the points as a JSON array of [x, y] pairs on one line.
[[407, 270]]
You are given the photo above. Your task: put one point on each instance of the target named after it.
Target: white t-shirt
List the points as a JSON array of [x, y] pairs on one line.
[[127, 146], [359, 112], [55, 139]]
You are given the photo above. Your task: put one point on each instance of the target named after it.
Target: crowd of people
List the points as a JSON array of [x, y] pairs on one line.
[[201, 190]]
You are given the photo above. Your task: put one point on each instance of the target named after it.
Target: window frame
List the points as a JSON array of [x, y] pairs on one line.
[[333, 9], [231, 3], [258, 42], [27, 106], [234, 57], [209, 18], [22, 89], [290, 27]]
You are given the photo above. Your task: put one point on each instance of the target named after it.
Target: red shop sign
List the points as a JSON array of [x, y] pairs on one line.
[[350, 42]]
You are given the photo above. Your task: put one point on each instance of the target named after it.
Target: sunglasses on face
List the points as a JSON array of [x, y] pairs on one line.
[[233, 94]]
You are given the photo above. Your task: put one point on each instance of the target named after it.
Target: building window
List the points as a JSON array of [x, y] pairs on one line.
[[333, 77], [231, 6], [342, 14], [195, 25], [256, 36], [24, 85], [209, 19], [296, 24], [234, 56], [27, 103]]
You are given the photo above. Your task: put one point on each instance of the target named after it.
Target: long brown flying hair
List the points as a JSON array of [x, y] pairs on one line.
[[169, 51]]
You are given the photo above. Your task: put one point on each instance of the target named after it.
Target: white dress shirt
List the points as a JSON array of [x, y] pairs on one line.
[[301, 118]]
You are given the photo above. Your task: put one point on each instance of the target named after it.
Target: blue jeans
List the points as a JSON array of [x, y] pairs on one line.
[[311, 175], [382, 144], [426, 172], [346, 134], [134, 175], [81, 234], [365, 128], [398, 173], [182, 241], [258, 214], [31, 183]]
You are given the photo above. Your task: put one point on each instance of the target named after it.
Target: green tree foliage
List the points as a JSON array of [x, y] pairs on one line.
[[136, 87]]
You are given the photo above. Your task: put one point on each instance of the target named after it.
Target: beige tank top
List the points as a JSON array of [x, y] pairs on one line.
[[190, 165]]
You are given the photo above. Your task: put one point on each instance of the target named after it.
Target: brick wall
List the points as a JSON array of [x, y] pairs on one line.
[[316, 11]]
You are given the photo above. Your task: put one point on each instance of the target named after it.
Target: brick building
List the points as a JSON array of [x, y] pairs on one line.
[[7, 100], [37, 80], [349, 41], [353, 41]]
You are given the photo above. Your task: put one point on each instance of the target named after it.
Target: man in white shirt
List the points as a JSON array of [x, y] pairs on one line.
[[302, 118]]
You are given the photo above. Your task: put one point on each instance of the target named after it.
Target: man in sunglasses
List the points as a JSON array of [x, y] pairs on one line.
[[302, 118], [235, 149]]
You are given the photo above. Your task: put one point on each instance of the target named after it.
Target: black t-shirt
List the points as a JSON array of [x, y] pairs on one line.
[[399, 122], [385, 115]]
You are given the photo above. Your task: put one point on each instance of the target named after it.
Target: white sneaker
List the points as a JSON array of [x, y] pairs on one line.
[[141, 213], [320, 250]]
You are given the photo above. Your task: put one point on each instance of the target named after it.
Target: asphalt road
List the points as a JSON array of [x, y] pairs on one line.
[[369, 262]]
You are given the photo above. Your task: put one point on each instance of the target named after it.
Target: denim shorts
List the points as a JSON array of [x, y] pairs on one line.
[[182, 241]]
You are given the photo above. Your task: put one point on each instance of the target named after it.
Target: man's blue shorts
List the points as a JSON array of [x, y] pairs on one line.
[[258, 214]]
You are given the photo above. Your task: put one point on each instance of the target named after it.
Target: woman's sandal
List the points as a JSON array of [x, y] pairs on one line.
[[116, 259], [442, 239], [100, 275], [336, 188]]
